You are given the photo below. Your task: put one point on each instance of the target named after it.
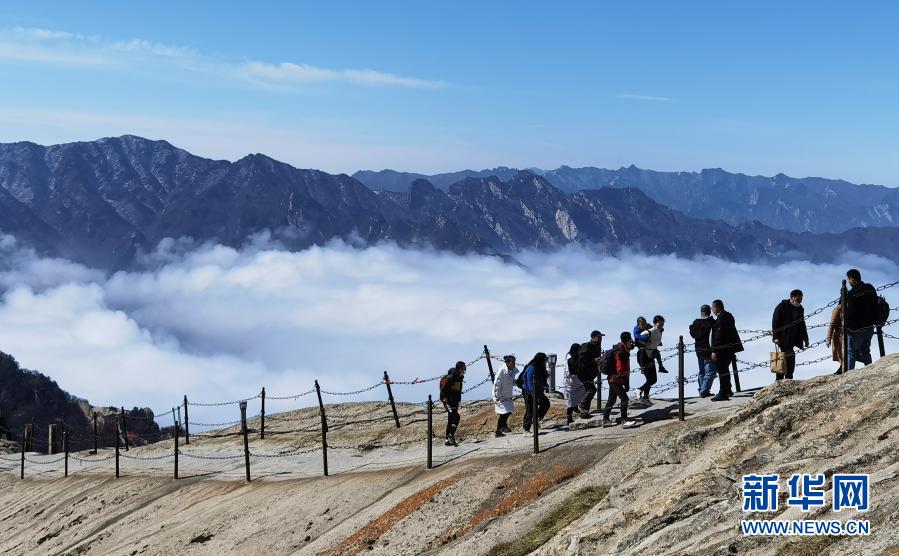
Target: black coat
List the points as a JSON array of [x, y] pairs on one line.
[[861, 306], [725, 337], [451, 392], [788, 324], [701, 330], [588, 368]]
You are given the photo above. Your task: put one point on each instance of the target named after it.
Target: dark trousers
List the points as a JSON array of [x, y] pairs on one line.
[[590, 387], [616, 392], [502, 422], [648, 366], [790, 364], [725, 359], [542, 408], [452, 419]]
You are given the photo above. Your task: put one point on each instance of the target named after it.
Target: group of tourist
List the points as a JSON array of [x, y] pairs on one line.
[[717, 341]]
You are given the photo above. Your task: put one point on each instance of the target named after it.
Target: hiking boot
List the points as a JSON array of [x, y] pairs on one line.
[[586, 415], [498, 434], [720, 398], [839, 371], [629, 424], [506, 429], [607, 423], [705, 394]]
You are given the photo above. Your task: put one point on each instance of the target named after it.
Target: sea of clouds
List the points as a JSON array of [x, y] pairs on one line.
[[218, 324]]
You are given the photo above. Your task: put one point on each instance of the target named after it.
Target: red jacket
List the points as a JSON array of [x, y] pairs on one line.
[[622, 362]]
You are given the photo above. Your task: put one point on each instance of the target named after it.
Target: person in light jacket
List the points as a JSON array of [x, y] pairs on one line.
[[835, 336], [503, 395]]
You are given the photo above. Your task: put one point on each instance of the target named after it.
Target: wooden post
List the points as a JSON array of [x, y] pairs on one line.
[[65, 447], [489, 364], [246, 441], [22, 467], [321, 409], [536, 422], [880, 345], [53, 439], [262, 415], [124, 428], [733, 364], [179, 413], [96, 437], [176, 450], [118, 440], [396, 418], [680, 378], [431, 430], [844, 299], [186, 423]]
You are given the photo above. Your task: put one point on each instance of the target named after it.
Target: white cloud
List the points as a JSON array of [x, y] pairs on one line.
[[217, 324], [74, 49], [648, 98]]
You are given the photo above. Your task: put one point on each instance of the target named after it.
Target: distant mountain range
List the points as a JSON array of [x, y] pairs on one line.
[[101, 202], [794, 204]]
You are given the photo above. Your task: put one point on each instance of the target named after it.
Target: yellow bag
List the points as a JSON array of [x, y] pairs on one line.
[[778, 362]]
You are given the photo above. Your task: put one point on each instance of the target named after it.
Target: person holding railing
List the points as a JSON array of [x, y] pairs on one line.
[[503, 395], [861, 309], [788, 331], [451, 397], [725, 345]]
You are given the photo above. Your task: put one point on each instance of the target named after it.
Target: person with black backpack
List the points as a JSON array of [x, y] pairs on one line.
[[587, 361], [451, 397], [616, 364], [535, 369], [861, 316], [574, 387]]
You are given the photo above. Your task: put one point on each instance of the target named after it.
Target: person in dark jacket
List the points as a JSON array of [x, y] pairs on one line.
[[619, 379], [588, 369], [861, 314], [451, 397], [701, 331], [788, 330], [535, 369], [574, 387], [725, 345]]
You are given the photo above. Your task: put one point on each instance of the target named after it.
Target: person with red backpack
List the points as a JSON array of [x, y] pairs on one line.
[[616, 364], [451, 397]]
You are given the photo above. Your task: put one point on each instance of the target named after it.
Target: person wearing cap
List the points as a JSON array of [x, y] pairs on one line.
[[588, 369], [503, 395], [574, 387]]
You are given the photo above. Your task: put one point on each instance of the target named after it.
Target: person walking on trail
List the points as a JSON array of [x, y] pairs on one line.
[[536, 368], [619, 371], [451, 397], [788, 331], [574, 387], [701, 331], [588, 369], [725, 346], [503, 395], [646, 355], [835, 337], [861, 314]]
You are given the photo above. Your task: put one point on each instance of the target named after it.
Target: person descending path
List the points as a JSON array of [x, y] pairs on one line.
[[451, 397], [789, 331], [616, 364], [574, 387], [726, 344], [503, 395], [535, 368], [861, 316], [588, 362], [701, 331]]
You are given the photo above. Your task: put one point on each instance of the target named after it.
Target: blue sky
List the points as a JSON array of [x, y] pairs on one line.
[[809, 88]]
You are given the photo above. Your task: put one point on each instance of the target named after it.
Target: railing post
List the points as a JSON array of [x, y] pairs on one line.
[[262, 414], [489, 364], [124, 428], [176, 450], [96, 437], [65, 447], [27, 443], [396, 418], [551, 360], [321, 410], [844, 299], [680, 378], [186, 423], [246, 441], [22, 466], [536, 422], [880, 345], [53, 439], [733, 364], [430, 431], [118, 440]]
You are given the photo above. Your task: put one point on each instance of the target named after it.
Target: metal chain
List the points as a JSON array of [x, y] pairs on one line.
[[292, 397]]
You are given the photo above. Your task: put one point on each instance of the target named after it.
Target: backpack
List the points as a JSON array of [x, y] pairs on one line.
[[519, 380], [881, 311], [444, 380], [607, 363]]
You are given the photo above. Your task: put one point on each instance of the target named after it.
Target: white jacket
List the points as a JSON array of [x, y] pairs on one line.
[[655, 340], [502, 389]]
